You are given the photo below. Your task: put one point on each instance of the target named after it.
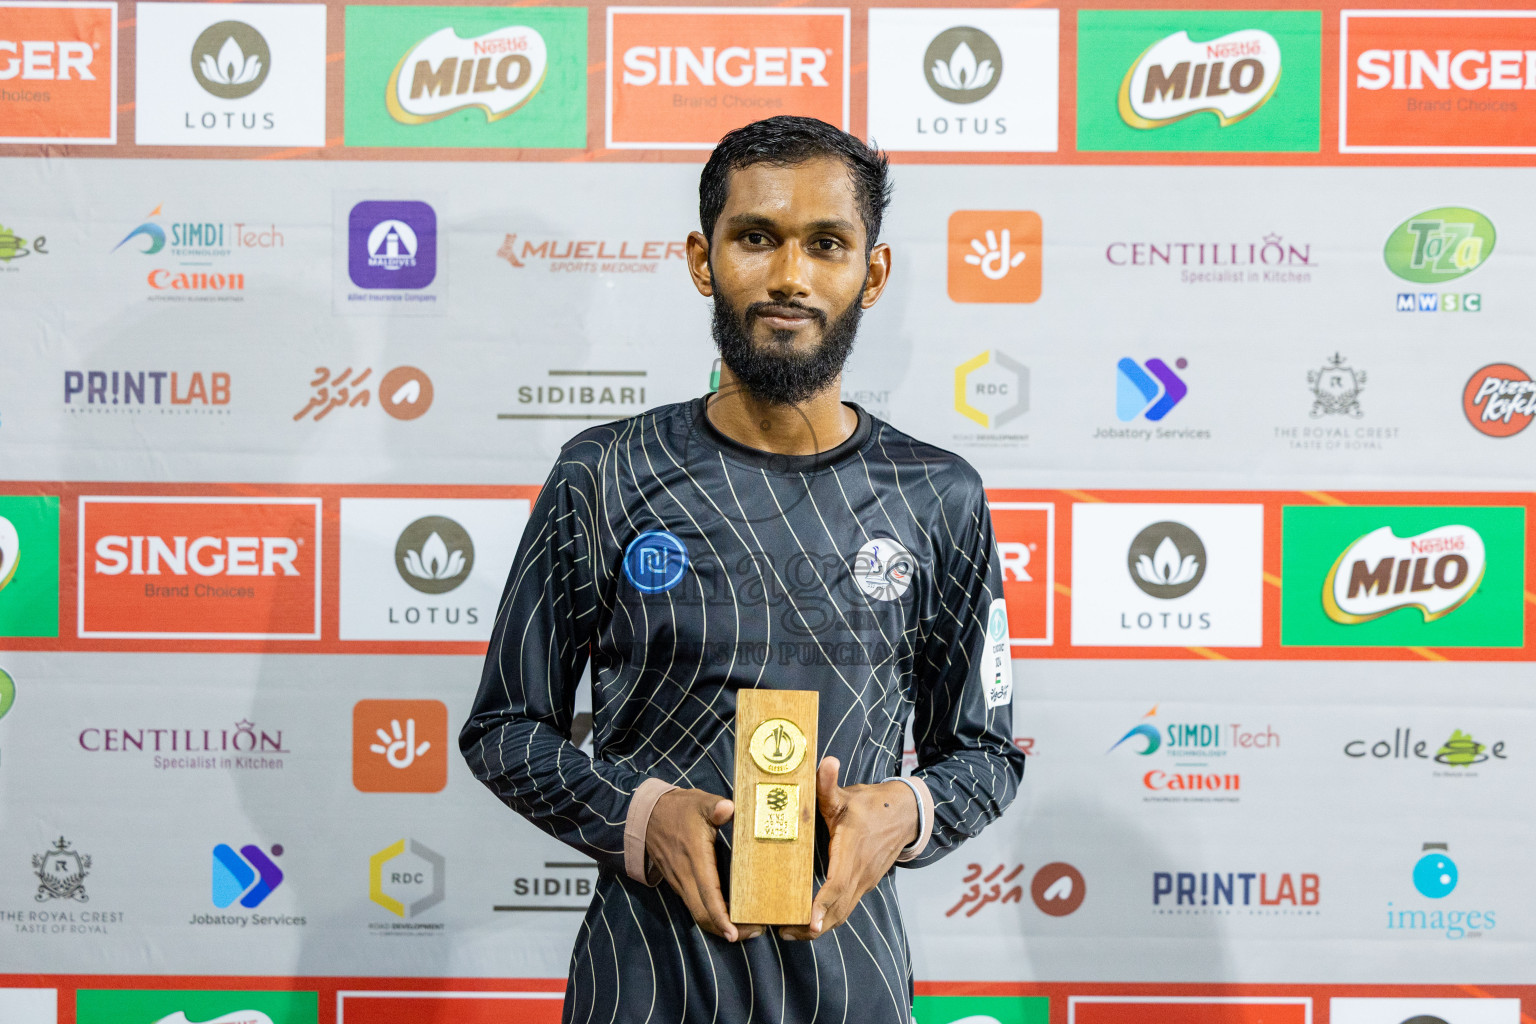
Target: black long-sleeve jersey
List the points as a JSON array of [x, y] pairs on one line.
[[685, 567]]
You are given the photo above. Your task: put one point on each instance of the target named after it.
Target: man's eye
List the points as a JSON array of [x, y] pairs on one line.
[[825, 244], [756, 238]]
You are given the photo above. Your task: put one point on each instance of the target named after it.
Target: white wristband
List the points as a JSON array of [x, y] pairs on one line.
[[922, 824]]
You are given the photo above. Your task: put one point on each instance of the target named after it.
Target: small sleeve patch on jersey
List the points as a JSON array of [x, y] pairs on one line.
[[997, 662]]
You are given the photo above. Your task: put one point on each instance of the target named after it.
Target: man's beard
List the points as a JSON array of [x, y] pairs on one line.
[[774, 372]]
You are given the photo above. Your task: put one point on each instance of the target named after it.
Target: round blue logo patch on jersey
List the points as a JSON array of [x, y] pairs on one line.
[[655, 561]]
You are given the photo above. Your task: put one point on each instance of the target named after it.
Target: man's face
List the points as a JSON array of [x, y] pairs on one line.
[[789, 274]]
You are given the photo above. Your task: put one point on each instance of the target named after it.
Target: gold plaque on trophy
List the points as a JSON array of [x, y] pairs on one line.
[[775, 796]]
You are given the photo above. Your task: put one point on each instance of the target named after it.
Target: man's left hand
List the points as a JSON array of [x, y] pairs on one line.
[[869, 826]]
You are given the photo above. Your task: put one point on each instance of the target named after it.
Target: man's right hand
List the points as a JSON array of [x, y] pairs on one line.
[[680, 840]]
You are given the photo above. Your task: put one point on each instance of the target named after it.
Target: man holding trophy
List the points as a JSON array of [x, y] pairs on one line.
[[767, 583]]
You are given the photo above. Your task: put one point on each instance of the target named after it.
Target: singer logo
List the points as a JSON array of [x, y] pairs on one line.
[[399, 746], [58, 72], [199, 568], [1026, 538], [680, 79], [1437, 82]]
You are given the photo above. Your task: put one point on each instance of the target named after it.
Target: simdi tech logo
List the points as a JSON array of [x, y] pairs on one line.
[[466, 77], [1199, 81], [58, 72], [230, 74], [1437, 81], [680, 78], [399, 746], [29, 565], [995, 255], [1403, 576], [199, 568], [203, 1006]]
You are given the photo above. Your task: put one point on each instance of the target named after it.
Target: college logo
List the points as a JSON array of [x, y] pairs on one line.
[[1170, 575], [1460, 752], [1440, 245], [1403, 576], [15, 247], [388, 874], [680, 79], [249, 876], [1026, 551], [58, 71], [1199, 80], [994, 256], [61, 873], [655, 561], [991, 397], [883, 569], [963, 81], [392, 244], [159, 1006], [466, 76], [29, 565], [1149, 390], [399, 746], [1436, 81], [1499, 400], [199, 568], [1419, 1010], [1336, 389]]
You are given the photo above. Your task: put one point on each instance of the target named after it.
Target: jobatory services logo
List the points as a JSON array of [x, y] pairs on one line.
[[1389, 576], [680, 78], [29, 565], [1499, 400], [963, 80], [981, 1009], [1228, 893], [1205, 757], [1422, 1010], [1026, 543], [199, 568], [1437, 247], [407, 878], [424, 568], [1268, 260], [16, 247], [472, 77], [202, 1006], [225, 74], [1147, 390], [58, 72], [1430, 912], [580, 394], [135, 392], [61, 872], [399, 746], [250, 875], [1167, 575], [995, 256], [1199, 81], [1437, 81], [393, 260]]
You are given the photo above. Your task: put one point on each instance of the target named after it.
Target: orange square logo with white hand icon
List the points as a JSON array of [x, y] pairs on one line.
[[994, 255], [399, 746]]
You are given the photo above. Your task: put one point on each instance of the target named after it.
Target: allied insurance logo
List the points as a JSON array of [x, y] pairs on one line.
[[58, 72], [1377, 576], [680, 78], [199, 568], [1437, 81], [1199, 81]]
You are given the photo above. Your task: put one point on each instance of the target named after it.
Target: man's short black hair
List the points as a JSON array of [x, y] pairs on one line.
[[786, 141]]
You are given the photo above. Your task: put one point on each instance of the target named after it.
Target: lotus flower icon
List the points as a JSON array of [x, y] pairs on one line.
[[434, 555], [434, 561], [1166, 560], [231, 59], [963, 64], [231, 66], [962, 72], [1166, 568]]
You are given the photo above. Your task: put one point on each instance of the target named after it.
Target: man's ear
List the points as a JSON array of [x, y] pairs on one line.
[[879, 275], [698, 263]]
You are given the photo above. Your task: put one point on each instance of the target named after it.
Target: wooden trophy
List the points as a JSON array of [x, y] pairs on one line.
[[775, 833]]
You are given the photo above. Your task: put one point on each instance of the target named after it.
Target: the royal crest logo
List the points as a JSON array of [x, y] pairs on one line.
[[1336, 389], [61, 873], [1435, 572], [496, 72], [1230, 76]]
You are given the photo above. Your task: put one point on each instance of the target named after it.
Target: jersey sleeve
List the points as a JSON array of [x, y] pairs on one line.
[[518, 737], [963, 715]]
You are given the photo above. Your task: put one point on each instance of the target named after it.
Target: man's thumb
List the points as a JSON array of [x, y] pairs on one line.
[[721, 812], [828, 795]]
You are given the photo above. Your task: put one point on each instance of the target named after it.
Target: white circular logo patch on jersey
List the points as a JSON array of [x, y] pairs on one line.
[[884, 569]]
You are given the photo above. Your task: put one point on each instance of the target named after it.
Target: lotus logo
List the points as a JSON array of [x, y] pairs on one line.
[[1166, 560], [1176, 77], [963, 64], [10, 551], [497, 73], [230, 60], [434, 555], [1435, 572]]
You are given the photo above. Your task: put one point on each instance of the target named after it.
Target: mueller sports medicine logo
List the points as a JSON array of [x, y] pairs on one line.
[[1435, 572], [1437, 81], [495, 73], [1230, 77], [199, 568], [680, 79], [58, 72], [589, 256], [1499, 400]]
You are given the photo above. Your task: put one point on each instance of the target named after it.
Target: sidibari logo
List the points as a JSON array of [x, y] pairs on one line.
[[434, 555], [1435, 572], [1439, 245], [1231, 77], [963, 64], [496, 73], [1499, 400], [230, 60]]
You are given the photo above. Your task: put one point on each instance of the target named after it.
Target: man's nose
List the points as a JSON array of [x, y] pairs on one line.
[[789, 278]]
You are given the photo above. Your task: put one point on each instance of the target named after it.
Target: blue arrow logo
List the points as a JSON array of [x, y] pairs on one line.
[[1136, 388]]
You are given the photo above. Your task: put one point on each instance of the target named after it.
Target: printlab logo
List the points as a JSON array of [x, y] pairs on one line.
[[392, 244], [884, 569], [231, 60], [1166, 560], [992, 389], [994, 256], [249, 876], [104, 392], [1336, 389], [29, 565], [1437, 247], [1207, 892], [434, 555], [1057, 889], [399, 746], [15, 247], [421, 878], [1499, 400], [1137, 387], [963, 64], [61, 873]]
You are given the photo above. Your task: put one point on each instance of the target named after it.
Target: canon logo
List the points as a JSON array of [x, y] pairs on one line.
[[1469, 70], [36, 60], [732, 65], [205, 556]]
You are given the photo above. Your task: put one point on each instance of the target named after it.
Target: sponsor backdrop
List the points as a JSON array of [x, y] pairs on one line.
[[1230, 306]]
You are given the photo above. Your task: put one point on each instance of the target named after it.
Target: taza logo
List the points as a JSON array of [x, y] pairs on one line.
[[1231, 77], [434, 555], [1435, 572], [1439, 245], [963, 64], [231, 60], [496, 72], [1499, 400], [1166, 560]]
